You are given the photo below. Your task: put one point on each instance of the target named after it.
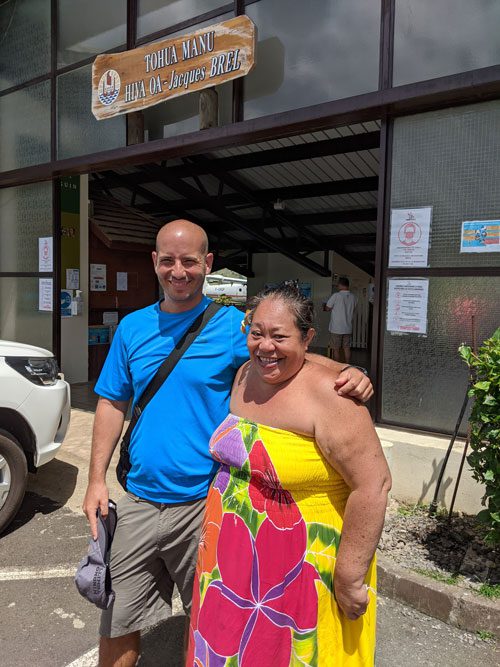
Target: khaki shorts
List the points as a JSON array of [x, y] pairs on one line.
[[155, 546], [340, 340]]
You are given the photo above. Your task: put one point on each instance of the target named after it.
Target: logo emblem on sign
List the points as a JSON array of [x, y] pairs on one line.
[[109, 87], [409, 234]]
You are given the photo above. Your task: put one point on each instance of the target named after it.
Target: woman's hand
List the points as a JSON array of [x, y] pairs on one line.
[[351, 598]]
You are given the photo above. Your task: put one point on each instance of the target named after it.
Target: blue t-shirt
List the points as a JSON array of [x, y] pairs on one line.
[[169, 444]]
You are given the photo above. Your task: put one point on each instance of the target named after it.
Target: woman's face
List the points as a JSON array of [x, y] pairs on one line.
[[274, 342]]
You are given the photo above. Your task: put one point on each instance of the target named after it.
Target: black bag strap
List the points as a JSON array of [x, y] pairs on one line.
[[168, 365]]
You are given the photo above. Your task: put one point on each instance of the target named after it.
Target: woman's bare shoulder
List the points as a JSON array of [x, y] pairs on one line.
[[321, 385], [320, 378]]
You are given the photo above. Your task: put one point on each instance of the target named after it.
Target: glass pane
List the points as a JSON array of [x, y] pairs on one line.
[[439, 37], [24, 41], [25, 127], [89, 27], [20, 319], [449, 160], [424, 380], [154, 15], [79, 133], [182, 115], [312, 52], [25, 216]]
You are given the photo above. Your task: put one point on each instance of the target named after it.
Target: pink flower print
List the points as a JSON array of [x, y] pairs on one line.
[[263, 595], [226, 444], [267, 494]]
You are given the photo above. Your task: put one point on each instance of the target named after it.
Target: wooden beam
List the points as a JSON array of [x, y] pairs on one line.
[[267, 196], [341, 145], [202, 201], [329, 218], [279, 219]]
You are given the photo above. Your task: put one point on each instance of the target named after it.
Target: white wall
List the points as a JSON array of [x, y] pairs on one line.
[[74, 330], [415, 460], [273, 267]]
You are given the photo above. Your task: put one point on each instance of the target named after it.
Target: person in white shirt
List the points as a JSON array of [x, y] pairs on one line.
[[342, 305]]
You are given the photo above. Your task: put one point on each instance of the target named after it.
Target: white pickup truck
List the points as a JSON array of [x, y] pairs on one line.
[[34, 416]]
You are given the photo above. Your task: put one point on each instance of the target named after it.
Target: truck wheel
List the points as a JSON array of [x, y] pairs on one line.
[[13, 478]]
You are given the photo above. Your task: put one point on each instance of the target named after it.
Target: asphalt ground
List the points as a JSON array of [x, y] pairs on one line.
[[45, 622]]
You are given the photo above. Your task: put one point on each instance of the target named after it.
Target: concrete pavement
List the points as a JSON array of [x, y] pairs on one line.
[[65, 481], [45, 621]]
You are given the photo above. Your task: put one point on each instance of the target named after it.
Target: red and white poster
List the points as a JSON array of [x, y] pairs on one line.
[[407, 305], [45, 254], [410, 232]]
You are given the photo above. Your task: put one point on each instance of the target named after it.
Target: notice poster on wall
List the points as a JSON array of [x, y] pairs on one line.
[[121, 281], [407, 305], [98, 277], [72, 278], [45, 294], [410, 232], [66, 300], [480, 236], [45, 254]]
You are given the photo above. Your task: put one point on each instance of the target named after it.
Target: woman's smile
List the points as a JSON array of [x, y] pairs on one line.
[[267, 361]]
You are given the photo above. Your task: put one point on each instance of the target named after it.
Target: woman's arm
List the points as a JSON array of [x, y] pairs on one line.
[[346, 436]]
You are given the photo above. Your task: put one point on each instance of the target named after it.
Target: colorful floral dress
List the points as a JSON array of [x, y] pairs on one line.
[[263, 593]]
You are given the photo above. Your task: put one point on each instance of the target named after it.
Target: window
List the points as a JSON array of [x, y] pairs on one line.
[[435, 38]]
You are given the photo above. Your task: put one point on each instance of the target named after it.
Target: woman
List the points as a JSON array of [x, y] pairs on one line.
[[301, 468]]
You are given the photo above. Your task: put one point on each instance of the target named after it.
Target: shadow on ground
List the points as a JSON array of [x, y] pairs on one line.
[[458, 546], [163, 645], [56, 480], [32, 504], [48, 490]]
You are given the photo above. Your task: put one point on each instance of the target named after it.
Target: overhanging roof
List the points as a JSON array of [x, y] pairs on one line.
[[294, 195]]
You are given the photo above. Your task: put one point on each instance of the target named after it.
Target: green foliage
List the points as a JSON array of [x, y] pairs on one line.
[[438, 576], [491, 591], [418, 509], [485, 635], [484, 458]]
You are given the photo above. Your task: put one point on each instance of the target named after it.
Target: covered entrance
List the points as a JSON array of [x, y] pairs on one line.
[[301, 207]]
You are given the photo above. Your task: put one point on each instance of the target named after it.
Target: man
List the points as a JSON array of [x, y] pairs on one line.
[[156, 539], [342, 304]]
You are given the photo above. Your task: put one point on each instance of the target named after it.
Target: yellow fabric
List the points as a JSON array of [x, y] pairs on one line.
[[321, 495]]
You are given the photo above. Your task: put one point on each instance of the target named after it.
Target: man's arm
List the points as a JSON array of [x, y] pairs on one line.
[[330, 303], [350, 382], [108, 426]]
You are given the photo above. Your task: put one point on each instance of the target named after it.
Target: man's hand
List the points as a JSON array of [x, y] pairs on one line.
[[355, 384], [97, 496], [352, 599]]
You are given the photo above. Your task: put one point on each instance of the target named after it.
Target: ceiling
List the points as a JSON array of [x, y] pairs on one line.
[[298, 195]]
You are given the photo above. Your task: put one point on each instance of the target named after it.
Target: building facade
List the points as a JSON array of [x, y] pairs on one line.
[[397, 103]]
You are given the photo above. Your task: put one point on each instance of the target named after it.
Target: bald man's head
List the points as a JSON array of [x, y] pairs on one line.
[[183, 229], [181, 261]]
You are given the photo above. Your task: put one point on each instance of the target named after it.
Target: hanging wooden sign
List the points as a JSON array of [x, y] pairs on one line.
[[143, 77]]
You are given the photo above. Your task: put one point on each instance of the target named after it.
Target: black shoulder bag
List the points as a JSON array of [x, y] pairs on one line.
[[123, 467]]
